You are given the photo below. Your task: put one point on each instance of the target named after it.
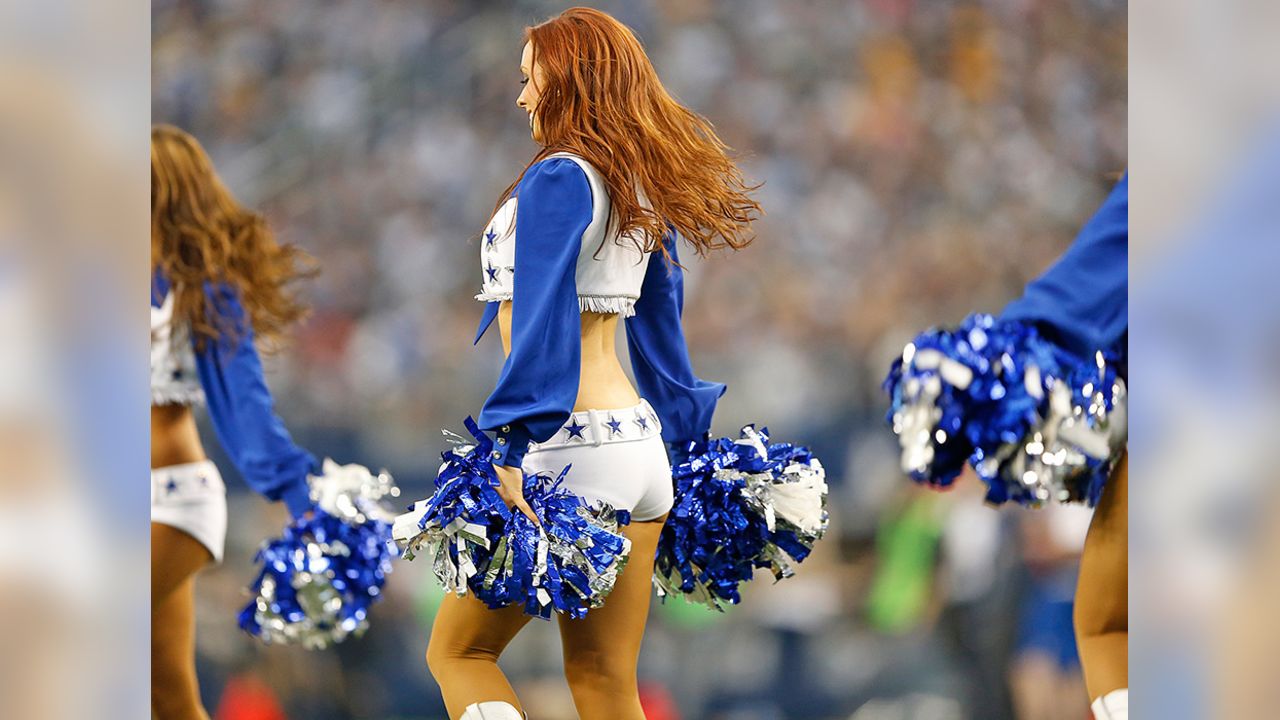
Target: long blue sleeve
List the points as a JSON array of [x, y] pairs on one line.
[[539, 383], [660, 357], [1082, 301], [243, 413]]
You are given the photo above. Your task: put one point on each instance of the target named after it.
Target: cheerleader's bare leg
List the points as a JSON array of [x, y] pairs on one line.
[[1102, 597], [602, 649], [627, 468], [466, 640], [188, 531], [176, 557]]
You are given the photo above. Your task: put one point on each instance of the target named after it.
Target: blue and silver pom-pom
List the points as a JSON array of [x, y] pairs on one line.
[[1037, 423], [320, 576], [931, 387], [739, 505], [566, 564]]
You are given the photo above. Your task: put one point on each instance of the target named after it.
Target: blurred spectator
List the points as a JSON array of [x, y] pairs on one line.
[[1046, 679]]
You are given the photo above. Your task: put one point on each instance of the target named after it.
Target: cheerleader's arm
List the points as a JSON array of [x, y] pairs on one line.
[[660, 356], [243, 412], [1082, 301], [539, 382]]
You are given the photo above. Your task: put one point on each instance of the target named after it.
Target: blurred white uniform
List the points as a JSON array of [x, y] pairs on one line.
[[190, 497]]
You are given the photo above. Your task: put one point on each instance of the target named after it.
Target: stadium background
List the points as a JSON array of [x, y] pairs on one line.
[[921, 160]]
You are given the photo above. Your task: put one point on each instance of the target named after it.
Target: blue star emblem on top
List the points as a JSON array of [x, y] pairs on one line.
[[172, 486], [615, 426], [492, 272], [490, 237], [575, 430], [642, 421]]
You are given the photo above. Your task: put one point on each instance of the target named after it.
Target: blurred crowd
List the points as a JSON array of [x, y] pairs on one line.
[[919, 161]]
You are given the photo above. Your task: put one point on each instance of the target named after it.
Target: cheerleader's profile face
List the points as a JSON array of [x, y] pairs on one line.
[[590, 90], [533, 80]]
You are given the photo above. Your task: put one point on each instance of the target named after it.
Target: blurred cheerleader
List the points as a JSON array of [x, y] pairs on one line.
[[219, 284], [1034, 401], [1082, 303], [623, 172]]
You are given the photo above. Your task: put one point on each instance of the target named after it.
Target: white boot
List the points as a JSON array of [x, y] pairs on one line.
[[1112, 706], [492, 710]]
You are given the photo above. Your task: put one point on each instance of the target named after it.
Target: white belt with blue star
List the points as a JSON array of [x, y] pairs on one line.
[[184, 482], [598, 427]]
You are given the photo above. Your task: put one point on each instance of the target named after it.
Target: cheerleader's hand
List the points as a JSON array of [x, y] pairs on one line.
[[511, 490]]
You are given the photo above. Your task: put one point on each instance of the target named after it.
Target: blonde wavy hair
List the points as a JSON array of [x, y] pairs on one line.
[[200, 235]]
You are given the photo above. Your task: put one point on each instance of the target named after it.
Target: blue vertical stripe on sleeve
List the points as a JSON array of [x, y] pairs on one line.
[[539, 383], [159, 288], [490, 314]]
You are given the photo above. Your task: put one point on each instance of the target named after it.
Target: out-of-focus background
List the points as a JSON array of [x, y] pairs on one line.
[[920, 161]]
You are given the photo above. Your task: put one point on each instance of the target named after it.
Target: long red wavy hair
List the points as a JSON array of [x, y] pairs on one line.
[[601, 99], [200, 234]]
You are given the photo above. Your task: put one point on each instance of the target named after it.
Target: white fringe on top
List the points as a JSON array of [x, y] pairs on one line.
[[623, 305], [177, 394], [608, 304]]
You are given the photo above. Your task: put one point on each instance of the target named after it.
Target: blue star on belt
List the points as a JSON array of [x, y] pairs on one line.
[[492, 272], [490, 237], [575, 430], [172, 486], [642, 421], [615, 426]]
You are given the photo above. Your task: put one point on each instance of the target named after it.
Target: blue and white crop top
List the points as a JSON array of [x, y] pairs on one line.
[[559, 269], [609, 272], [173, 359], [227, 375]]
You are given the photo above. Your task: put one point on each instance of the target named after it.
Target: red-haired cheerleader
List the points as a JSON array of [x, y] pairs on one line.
[[583, 242]]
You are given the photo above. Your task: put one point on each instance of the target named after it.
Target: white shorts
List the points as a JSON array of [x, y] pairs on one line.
[[618, 457], [192, 498]]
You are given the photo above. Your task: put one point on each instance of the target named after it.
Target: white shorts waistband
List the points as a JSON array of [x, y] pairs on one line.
[[176, 483], [597, 427]]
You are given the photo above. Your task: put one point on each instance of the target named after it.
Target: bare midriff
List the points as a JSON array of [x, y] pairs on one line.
[[174, 438], [602, 384]]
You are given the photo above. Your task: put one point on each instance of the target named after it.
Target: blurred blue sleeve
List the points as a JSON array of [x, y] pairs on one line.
[[1082, 300], [660, 357], [539, 383], [159, 288], [243, 412]]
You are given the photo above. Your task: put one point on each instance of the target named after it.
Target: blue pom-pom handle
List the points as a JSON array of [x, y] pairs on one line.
[[567, 564]]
